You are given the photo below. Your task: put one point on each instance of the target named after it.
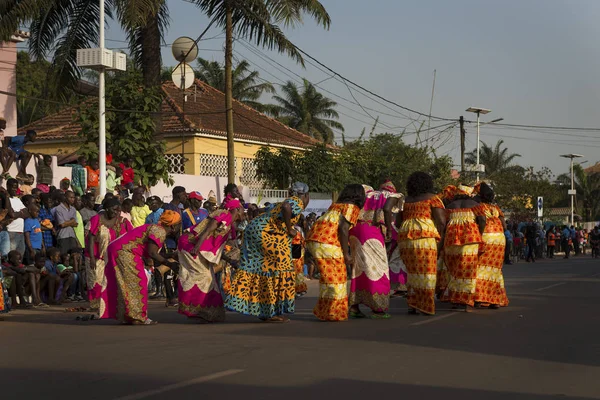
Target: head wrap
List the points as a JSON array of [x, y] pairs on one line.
[[212, 197], [368, 189], [388, 186], [298, 188], [232, 204], [169, 218], [451, 191]]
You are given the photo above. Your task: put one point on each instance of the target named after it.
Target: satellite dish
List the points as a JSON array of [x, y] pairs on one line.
[[184, 49], [183, 76]]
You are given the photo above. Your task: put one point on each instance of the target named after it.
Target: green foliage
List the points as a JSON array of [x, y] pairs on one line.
[[588, 192], [130, 131], [307, 111], [496, 159], [369, 161]]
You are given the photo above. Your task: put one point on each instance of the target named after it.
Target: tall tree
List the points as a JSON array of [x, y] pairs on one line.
[[60, 27], [257, 21], [495, 159], [246, 87], [307, 111], [588, 191]]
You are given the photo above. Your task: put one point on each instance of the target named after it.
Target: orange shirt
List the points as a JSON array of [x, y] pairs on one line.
[[551, 239], [92, 176]]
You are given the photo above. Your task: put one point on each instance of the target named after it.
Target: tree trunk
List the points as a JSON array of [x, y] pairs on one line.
[[151, 56], [229, 94]]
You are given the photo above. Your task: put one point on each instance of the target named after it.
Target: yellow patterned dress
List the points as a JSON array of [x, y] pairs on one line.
[[264, 285], [298, 259], [323, 243], [490, 281], [418, 240], [461, 253]]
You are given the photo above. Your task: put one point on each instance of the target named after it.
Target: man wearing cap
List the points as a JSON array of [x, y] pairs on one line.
[[194, 214]]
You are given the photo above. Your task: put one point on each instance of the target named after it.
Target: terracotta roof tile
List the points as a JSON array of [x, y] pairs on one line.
[[204, 113]]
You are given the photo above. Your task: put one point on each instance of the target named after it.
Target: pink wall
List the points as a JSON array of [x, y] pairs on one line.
[[8, 83]]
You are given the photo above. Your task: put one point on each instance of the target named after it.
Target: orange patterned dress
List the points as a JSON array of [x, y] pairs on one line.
[[323, 243], [418, 240], [298, 260], [461, 254], [490, 282]]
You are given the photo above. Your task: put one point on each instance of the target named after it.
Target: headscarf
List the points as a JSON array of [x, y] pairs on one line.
[[298, 188], [388, 186], [368, 189], [451, 191], [169, 218], [232, 204]]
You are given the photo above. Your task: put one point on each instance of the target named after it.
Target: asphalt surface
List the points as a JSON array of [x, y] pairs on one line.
[[543, 346]]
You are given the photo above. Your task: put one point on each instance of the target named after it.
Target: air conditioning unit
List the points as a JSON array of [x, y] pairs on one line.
[[119, 62], [95, 58]]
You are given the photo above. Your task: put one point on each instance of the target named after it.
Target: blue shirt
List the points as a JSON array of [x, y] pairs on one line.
[[188, 215], [32, 225], [47, 235], [51, 267], [154, 216], [17, 144], [566, 234]]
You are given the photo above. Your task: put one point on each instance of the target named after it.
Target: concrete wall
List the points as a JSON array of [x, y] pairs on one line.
[[8, 83]]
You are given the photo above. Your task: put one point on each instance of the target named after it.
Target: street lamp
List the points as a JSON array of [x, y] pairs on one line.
[[478, 111], [572, 192]]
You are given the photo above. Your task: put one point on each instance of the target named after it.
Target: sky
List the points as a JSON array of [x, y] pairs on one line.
[[532, 62]]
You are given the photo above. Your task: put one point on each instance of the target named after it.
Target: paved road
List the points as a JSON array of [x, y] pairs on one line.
[[543, 346]]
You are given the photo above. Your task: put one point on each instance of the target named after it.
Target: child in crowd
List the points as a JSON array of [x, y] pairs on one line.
[[93, 176], [32, 230], [21, 279], [87, 208], [43, 165], [48, 283], [126, 208], [66, 277], [139, 211], [27, 185], [47, 221], [64, 268], [65, 185]]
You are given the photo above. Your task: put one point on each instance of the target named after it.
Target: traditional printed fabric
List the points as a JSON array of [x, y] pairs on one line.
[[324, 245], [462, 270], [126, 278], [370, 284], [96, 278], [3, 293], [420, 257], [301, 286], [199, 292], [490, 281], [443, 276], [418, 239], [417, 222], [372, 211], [398, 273], [264, 284], [461, 254]]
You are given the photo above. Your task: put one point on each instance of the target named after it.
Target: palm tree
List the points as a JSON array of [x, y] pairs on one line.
[[60, 27], [257, 21], [245, 85], [588, 190], [308, 111], [496, 159]]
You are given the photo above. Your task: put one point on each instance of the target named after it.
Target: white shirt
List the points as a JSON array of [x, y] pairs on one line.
[[18, 224]]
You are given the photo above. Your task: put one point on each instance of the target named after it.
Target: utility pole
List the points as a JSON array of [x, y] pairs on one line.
[[228, 92], [101, 108], [461, 121]]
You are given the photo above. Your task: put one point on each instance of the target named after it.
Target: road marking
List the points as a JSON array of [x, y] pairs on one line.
[[551, 286], [180, 385], [433, 319]]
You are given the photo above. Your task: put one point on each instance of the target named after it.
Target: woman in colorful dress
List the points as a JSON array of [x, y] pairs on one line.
[[103, 228], [393, 204], [328, 243], [461, 246], [370, 284], [490, 289], [200, 253], [263, 285], [126, 279], [421, 228]]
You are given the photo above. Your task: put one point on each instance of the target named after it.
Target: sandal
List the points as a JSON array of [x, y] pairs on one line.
[[276, 320], [380, 316], [356, 315], [42, 305], [146, 322]]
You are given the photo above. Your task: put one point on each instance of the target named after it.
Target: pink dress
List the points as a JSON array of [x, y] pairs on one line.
[[126, 280], [199, 294], [96, 278]]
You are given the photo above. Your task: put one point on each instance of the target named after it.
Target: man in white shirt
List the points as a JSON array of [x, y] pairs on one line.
[[15, 228]]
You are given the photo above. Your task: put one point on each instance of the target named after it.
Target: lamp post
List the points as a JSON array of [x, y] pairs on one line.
[[572, 191], [478, 111]]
